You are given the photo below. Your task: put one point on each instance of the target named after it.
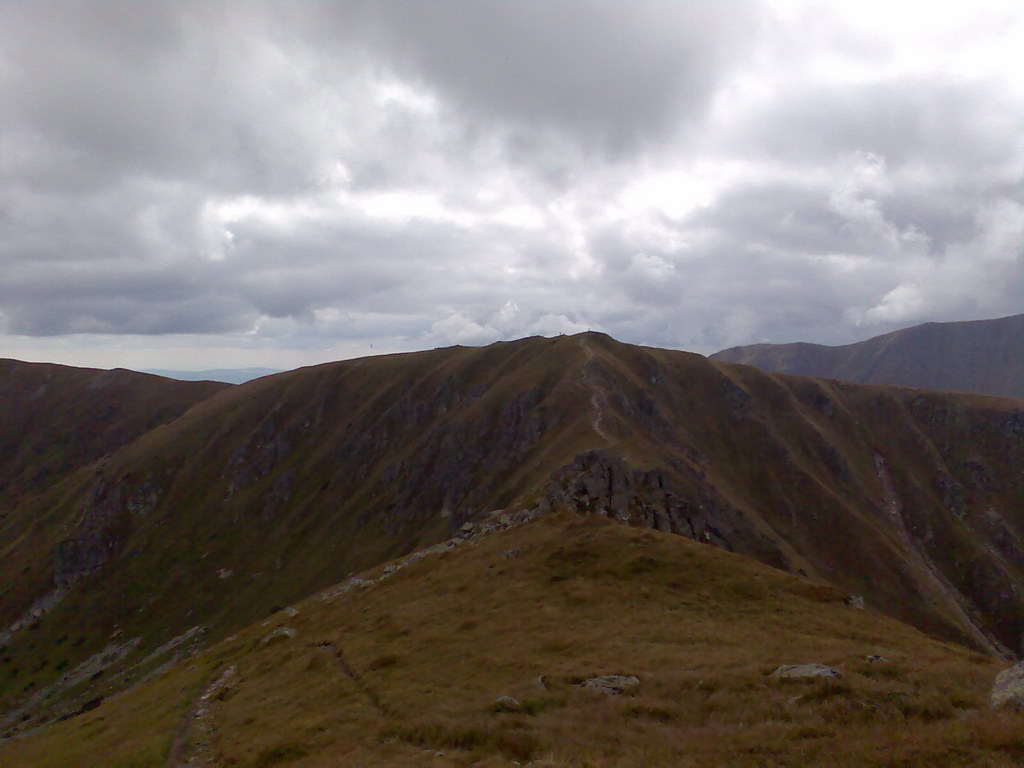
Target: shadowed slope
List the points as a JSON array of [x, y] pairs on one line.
[[913, 499], [275, 488], [55, 419], [404, 667], [980, 356]]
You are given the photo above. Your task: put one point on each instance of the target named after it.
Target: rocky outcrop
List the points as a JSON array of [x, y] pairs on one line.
[[1008, 689], [612, 685], [506, 704], [279, 635], [806, 672], [673, 499], [37, 611], [106, 505]]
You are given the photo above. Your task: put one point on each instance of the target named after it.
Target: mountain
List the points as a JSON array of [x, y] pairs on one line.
[[227, 375], [262, 494], [980, 356], [487, 651], [55, 419]]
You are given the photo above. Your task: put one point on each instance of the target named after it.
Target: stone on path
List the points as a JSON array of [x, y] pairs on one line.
[[806, 671], [612, 684]]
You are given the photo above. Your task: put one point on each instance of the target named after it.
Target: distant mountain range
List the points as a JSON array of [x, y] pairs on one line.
[[227, 375], [978, 356]]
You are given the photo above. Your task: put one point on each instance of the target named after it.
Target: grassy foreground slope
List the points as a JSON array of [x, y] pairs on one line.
[[977, 356], [406, 668]]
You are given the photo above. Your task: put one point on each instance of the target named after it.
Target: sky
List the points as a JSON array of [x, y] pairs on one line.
[[229, 184]]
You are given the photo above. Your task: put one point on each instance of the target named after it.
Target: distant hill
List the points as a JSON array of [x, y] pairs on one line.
[[978, 356], [227, 375], [55, 419], [260, 495]]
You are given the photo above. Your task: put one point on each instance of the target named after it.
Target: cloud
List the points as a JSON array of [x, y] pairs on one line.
[[313, 179]]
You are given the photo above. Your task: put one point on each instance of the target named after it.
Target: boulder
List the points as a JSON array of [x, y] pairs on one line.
[[279, 635], [806, 671], [1008, 689], [613, 685], [506, 704]]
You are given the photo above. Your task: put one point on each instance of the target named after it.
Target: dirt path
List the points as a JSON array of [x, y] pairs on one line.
[[192, 746], [357, 679], [598, 399]]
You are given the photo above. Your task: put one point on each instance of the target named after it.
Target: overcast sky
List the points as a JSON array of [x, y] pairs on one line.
[[217, 184]]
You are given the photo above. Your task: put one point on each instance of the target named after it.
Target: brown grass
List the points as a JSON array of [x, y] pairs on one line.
[[434, 646]]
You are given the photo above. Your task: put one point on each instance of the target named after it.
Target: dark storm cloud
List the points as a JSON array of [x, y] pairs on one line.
[[686, 174], [613, 73]]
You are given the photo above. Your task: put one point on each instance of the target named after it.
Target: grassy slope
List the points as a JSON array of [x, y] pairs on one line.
[[978, 356], [361, 453], [797, 458], [55, 419], [437, 643]]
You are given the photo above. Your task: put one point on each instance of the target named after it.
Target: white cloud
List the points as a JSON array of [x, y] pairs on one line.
[[303, 182]]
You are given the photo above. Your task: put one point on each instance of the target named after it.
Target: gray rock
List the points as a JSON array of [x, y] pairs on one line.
[[1008, 689], [806, 671], [279, 635], [855, 601], [613, 685], [506, 704], [875, 659]]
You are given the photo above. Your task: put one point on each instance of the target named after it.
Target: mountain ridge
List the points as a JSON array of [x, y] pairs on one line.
[[55, 419], [267, 492], [985, 356]]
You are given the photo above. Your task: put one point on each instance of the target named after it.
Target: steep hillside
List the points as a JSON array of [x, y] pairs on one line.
[[269, 491], [982, 356], [407, 665], [55, 419]]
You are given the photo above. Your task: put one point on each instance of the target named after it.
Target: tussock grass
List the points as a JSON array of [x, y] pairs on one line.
[[428, 652]]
